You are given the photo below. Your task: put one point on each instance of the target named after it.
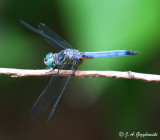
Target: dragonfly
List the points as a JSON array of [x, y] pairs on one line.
[[66, 58]]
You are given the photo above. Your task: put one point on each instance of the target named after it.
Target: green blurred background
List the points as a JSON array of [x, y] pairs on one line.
[[91, 108]]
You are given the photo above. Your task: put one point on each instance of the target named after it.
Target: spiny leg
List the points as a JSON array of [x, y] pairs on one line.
[[79, 64]]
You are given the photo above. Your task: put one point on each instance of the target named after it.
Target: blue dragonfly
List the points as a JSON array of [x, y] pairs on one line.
[[66, 57]]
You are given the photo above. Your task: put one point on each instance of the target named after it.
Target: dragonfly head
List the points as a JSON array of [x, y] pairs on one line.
[[49, 60]]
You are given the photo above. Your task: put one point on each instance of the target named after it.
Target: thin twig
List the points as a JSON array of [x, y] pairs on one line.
[[80, 74]]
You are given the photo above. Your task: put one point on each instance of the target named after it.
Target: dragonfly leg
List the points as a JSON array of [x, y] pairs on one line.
[[51, 71], [59, 68], [79, 64], [56, 68]]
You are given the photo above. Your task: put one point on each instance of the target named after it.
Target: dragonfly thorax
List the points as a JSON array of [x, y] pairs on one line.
[[67, 56]]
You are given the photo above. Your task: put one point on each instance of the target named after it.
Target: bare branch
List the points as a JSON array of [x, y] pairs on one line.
[[80, 74]]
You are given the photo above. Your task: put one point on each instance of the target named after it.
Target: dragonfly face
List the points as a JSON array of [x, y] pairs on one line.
[[49, 60]]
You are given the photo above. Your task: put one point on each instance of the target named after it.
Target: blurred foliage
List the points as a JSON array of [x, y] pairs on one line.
[[93, 25]]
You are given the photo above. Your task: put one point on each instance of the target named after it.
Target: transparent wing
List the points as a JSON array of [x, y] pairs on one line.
[[50, 94], [57, 39], [55, 104], [57, 45]]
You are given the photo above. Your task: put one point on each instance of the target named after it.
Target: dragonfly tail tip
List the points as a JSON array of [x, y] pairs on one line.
[[132, 52]]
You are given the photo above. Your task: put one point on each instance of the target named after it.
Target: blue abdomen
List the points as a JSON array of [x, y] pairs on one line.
[[116, 53]]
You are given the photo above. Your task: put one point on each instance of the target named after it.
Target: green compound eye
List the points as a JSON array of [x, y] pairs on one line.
[[49, 60]]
